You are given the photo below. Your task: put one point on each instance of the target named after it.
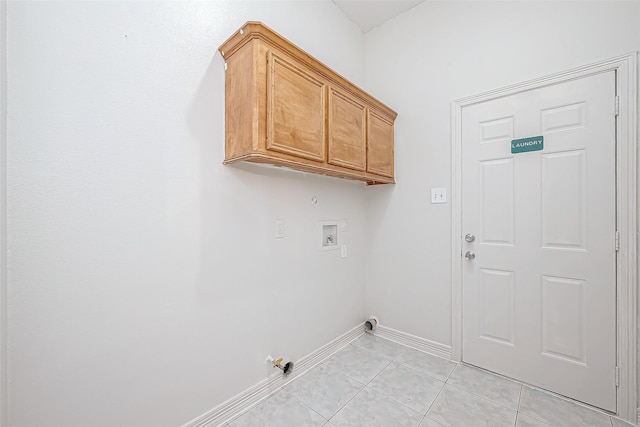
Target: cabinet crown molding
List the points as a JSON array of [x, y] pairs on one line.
[[284, 107]]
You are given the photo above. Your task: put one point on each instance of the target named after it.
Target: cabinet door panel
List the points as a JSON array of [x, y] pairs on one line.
[[380, 145], [347, 131], [295, 110]]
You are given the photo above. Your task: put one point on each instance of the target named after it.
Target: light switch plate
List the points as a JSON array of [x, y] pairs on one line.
[[438, 195], [278, 228]]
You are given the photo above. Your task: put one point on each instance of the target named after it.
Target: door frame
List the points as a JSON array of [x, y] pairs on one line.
[[626, 67]]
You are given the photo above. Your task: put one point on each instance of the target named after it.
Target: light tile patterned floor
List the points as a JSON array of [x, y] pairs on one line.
[[374, 382]]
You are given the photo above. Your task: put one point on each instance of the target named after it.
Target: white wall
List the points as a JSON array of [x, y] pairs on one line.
[[420, 62], [3, 213], [144, 282], [145, 285]]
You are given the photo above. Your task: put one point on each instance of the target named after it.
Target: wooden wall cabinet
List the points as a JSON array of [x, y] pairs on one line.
[[285, 108]]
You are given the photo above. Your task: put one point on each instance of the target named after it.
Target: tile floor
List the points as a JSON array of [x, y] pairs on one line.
[[375, 382]]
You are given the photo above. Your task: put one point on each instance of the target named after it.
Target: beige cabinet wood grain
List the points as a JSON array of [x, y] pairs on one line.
[[347, 131], [380, 131], [285, 108], [295, 110]]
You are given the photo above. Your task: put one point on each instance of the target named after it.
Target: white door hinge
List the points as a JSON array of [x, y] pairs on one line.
[[616, 105], [617, 241], [225, 66], [617, 376]]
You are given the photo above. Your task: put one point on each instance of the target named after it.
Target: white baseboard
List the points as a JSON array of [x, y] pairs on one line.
[[241, 403], [413, 341]]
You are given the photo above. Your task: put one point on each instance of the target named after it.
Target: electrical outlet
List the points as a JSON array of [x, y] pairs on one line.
[[438, 195]]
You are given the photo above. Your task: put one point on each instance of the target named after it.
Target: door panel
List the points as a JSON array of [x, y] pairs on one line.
[[295, 109], [564, 319], [496, 314], [497, 200], [347, 131], [564, 200], [564, 118], [497, 130], [539, 297], [380, 145]]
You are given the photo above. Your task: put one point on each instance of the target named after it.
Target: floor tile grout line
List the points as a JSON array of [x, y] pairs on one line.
[[452, 371], [367, 385], [376, 353], [564, 401], [425, 373], [567, 400], [311, 409], [533, 418], [485, 397], [542, 390], [362, 382], [347, 402], [339, 372], [362, 386], [402, 346], [435, 399], [418, 372], [518, 410], [403, 350], [254, 406], [488, 372], [493, 374], [398, 401], [384, 356], [386, 364], [378, 374], [393, 400], [468, 365], [372, 349], [262, 402]]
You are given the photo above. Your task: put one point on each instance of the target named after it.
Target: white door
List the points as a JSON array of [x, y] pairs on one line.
[[539, 296]]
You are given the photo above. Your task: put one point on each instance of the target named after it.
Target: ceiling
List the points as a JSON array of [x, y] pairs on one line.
[[369, 14]]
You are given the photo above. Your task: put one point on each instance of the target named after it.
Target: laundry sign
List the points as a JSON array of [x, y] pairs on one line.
[[533, 143]]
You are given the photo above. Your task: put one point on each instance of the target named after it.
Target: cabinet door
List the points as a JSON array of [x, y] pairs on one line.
[[295, 109], [380, 145], [347, 131]]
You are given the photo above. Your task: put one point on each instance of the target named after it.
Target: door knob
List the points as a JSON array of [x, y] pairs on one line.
[[470, 255], [470, 238]]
